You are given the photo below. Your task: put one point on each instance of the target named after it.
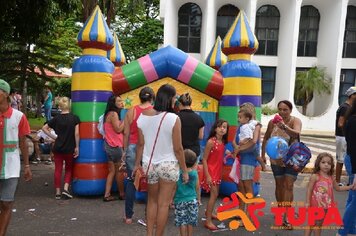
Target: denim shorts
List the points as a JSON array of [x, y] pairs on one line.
[[186, 213], [340, 149], [247, 172], [8, 189], [166, 170], [281, 171], [113, 154], [130, 158]]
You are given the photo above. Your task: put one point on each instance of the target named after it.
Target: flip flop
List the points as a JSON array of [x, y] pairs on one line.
[[109, 198]]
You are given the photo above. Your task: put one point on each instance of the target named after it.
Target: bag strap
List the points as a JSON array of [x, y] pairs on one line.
[[154, 144]]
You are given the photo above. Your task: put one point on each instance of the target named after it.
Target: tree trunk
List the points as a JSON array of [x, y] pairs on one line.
[[24, 63], [88, 7], [304, 108]]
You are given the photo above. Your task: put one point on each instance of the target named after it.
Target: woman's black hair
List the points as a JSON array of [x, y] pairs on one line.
[[111, 106], [351, 111], [165, 95], [216, 124], [288, 103], [146, 95], [185, 99]]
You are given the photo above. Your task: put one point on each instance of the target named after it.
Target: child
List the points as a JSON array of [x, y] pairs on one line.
[[247, 127], [212, 166], [320, 187], [186, 198]]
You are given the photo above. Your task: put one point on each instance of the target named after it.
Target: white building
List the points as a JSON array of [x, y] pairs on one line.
[[293, 35]]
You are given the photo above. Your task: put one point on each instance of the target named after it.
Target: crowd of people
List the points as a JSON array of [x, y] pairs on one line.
[[164, 144]]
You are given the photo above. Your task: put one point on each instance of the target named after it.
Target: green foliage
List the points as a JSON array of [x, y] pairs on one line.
[[310, 82], [267, 110], [36, 123], [36, 35], [63, 87], [137, 26]]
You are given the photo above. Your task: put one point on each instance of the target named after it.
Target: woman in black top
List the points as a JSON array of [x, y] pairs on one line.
[[66, 145], [349, 218], [192, 124]]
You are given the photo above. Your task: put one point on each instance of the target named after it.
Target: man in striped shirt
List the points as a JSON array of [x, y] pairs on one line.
[[13, 129]]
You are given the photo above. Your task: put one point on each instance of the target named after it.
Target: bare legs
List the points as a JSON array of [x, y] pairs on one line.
[[245, 186], [338, 171], [5, 216], [109, 179], [214, 192], [159, 198]]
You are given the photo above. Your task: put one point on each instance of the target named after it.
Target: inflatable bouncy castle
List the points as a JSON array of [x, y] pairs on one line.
[[217, 88]]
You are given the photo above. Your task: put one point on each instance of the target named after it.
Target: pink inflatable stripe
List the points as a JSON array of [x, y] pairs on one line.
[[188, 69], [148, 69]]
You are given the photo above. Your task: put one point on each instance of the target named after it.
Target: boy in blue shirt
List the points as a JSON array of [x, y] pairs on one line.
[[187, 197]]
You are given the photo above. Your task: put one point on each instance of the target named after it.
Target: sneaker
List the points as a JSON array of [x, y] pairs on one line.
[[67, 195], [340, 184], [48, 162], [36, 161], [142, 222], [58, 197]]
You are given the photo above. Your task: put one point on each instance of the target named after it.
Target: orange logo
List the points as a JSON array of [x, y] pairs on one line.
[[230, 210]]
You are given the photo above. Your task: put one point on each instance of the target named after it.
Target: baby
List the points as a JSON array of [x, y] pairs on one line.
[[247, 127]]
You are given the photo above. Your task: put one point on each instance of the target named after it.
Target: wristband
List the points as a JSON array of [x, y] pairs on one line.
[[27, 166]]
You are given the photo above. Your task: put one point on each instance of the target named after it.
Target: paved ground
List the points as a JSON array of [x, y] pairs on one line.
[[36, 212]]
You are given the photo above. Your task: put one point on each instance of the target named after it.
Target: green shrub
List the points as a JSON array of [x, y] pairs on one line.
[[267, 110]]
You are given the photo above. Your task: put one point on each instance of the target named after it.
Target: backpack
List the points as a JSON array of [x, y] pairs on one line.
[[298, 156], [101, 125]]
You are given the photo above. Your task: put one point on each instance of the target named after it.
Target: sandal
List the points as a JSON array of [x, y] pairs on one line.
[[287, 225], [109, 198]]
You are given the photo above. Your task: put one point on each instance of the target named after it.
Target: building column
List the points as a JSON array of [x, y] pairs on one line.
[[287, 50]]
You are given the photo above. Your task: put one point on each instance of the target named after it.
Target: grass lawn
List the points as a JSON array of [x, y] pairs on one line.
[[36, 123]]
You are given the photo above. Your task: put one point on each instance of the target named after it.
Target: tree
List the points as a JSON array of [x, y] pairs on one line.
[[33, 37], [138, 28], [310, 82]]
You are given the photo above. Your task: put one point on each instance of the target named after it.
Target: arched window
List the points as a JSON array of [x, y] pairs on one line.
[[189, 27], [267, 29], [308, 31], [225, 17], [347, 80], [268, 83], [349, 50]]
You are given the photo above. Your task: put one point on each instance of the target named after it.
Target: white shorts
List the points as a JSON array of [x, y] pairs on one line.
[[340, 149], [166, 170]]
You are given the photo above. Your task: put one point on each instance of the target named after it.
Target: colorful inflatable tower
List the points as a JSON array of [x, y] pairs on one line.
[[242, 77], [216, 58], [91, 88]]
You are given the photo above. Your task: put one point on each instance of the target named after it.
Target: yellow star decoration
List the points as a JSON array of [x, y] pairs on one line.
[[205, 104]]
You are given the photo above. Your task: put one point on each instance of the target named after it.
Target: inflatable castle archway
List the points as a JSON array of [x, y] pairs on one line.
[[216, 93]]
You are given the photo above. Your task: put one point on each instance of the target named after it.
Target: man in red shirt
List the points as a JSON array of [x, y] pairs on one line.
[[13, 130]]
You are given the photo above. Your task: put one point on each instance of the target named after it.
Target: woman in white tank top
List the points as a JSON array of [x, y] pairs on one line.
[[167, 158]]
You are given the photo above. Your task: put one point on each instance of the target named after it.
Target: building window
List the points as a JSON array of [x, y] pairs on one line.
[[349, 50], [347, 80], [189, 27], [268, 83], [226, 16], [308, 31], [267, 29]]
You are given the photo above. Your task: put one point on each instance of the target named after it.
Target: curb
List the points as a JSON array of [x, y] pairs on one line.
[[306, 170]]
